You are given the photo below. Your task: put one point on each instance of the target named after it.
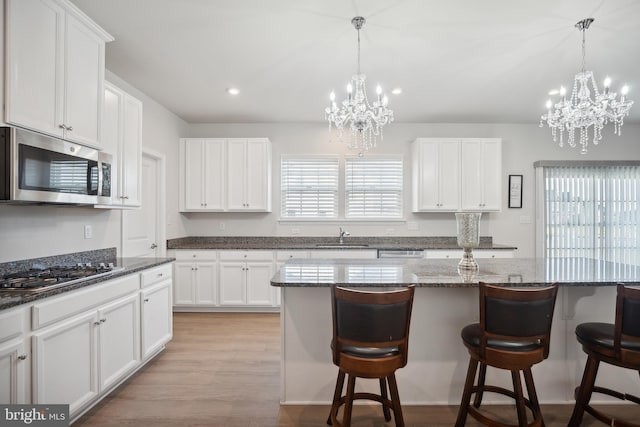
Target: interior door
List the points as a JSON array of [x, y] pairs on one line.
[[140, 226]]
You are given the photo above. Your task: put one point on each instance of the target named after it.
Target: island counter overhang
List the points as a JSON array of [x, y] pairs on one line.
[[445, 301]]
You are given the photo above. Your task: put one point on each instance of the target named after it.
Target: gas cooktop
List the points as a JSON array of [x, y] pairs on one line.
[[42, 278]]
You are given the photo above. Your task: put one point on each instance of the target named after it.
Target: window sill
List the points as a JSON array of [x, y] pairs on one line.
[[340, 220]]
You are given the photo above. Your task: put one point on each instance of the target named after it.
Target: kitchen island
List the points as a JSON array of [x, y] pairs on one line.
[[445, 301]]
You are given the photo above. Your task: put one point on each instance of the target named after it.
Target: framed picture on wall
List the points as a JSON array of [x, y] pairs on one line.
[[515, 191]]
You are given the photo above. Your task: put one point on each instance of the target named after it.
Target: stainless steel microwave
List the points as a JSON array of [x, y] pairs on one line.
[[36, 168]]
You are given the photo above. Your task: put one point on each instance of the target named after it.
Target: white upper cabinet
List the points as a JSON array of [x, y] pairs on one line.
[[436, 175], [249, 175], [457, 174], [230, 175], [122, 137], [54, 70], [481, 162], [203, 174], [131, 152]]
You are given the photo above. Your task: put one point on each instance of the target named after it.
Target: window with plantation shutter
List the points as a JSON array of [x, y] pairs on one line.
[[373, 187], [309, 188]]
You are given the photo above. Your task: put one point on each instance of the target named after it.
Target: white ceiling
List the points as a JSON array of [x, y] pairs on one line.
[[457, 61]]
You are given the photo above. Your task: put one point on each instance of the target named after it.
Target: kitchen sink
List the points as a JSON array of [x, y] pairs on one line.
[[341, 245]]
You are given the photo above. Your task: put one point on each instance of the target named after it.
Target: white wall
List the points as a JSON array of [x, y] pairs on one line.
[[521, 146]]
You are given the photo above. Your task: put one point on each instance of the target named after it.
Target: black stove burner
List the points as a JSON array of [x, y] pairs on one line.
[[39, 279]]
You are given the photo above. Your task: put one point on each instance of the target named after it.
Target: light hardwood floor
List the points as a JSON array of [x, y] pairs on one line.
[[224, 370]]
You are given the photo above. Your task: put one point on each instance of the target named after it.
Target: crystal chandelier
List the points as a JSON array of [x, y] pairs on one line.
[[581, 110], [364, 120]]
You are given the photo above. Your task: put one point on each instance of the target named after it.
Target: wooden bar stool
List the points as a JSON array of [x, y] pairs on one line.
[[513, 334], [370, 340], [617, 344]]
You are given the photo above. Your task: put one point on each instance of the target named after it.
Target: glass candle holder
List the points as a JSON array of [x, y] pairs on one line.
[[468, 227]]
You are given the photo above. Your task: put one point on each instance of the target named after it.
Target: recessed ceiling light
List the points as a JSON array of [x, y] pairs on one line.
[[233, 91], [396, 90]]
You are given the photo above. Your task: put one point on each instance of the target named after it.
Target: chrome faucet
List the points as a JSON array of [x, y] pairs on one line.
[[342, 234]]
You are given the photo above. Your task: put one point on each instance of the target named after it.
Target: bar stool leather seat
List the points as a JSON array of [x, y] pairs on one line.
[[370, 352], [602, 335], [616, 344], [471, 337]]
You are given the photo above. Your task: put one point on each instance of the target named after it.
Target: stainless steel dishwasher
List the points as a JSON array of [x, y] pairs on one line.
[[401, 253]]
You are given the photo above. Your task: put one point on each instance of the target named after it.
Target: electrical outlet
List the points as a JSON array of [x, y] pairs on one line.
[[221, 226], [88, 231]]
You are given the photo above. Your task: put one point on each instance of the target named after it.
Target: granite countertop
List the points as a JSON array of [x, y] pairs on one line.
[[312, 242], [518, 272], [128, 265]]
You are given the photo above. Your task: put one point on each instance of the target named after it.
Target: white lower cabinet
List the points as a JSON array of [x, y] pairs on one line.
[[15, 359], [245, 278], [477, 253], [118, 322], [76, 359], [14, 362], [66, 362], [196, 279], [246, 283], [157, 318]]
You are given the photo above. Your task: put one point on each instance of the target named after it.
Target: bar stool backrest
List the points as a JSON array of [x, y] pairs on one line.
[[371, 319], [627, 326], [521, 315]]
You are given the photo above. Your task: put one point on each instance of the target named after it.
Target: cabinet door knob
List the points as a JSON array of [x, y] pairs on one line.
[[153, 246], [103, 320], [96, 323], [22, 357], [146, 300]]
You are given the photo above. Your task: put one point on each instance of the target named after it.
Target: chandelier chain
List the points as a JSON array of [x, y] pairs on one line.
[[584, 50], [358, 50]]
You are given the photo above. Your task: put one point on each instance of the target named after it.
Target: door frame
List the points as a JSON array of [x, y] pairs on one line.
[[161, 211]]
